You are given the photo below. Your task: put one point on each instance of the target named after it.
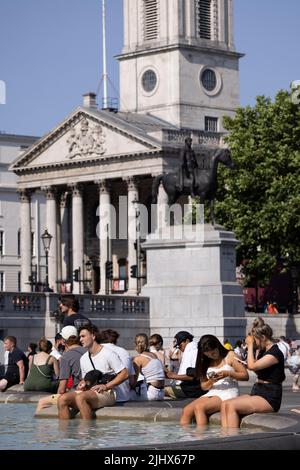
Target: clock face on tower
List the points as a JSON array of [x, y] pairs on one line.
[[149, 81]]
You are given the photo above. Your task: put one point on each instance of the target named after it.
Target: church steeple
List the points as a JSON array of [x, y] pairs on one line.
[[179, 61]]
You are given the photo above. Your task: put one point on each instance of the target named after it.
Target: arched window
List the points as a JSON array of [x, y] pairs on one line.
[[150, 20]]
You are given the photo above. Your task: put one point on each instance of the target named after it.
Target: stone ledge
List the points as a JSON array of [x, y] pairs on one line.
[[154, 412]]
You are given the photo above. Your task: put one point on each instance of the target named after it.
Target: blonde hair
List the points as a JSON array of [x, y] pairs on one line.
[[141, 343], [260, 329]]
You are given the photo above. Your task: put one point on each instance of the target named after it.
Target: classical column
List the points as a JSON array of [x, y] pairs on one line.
[[25, 199], [104, 234], [64, 235], [77, 233], [51, 225], [132, 258], [162, 209]]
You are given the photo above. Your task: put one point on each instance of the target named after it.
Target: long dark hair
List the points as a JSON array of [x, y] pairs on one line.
[[207, 343]]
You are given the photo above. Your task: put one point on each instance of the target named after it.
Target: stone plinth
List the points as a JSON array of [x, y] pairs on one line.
[[192, 284]]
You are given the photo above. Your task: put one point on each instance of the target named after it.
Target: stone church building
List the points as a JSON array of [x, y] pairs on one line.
[[179, 75]]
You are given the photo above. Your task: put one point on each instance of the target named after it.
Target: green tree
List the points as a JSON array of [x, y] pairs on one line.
[[260, 201]]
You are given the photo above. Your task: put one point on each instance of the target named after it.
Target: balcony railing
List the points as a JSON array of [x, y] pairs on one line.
[[89, 304]]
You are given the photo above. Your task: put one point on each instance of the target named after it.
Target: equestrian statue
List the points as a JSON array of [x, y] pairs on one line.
[[194, 178]]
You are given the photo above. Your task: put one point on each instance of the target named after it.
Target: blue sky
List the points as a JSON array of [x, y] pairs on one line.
[[50, 54]]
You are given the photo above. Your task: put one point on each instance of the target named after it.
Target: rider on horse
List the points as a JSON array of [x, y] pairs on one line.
[[188, 165]]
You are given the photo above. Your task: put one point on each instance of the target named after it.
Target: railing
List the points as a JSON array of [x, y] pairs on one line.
[[15, 302], [89, 304]]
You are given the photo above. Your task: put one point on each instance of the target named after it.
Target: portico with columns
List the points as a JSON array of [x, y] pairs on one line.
[[178, 77]]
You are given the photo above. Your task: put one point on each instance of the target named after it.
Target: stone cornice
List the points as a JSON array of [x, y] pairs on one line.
[[20, 165], [212, 49], [87, 162]]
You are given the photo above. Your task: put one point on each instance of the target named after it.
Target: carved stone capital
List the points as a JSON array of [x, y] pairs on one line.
[[50, 192], [25, 195], [132, 183], [76, 189], [104, 186]]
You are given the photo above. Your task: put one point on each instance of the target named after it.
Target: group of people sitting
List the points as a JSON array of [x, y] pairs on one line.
[[102, 373]]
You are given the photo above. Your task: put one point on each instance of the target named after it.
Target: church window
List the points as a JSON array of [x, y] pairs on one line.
[[1, 242], [2, 281], [204, 18], [211, 124], [150, 20], [149, 80], [209, 79]]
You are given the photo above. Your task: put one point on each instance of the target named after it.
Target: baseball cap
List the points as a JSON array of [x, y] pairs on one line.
[[182, 336], [68, 331]]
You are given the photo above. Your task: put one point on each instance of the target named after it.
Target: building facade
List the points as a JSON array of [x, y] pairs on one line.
[[11, 146], [178, 78]]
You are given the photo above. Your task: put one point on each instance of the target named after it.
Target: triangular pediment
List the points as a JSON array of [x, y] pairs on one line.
[[82, 137]]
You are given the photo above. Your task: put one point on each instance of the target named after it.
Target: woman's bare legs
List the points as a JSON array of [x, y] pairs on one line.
[[231, 410], [188, 413], [205, 408]]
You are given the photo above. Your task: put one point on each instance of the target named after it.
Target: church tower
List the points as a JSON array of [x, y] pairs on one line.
[[179, 62]]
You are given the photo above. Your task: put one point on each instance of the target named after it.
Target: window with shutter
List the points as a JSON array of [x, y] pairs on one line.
[[1, 242], [150, 20], [204, 17]]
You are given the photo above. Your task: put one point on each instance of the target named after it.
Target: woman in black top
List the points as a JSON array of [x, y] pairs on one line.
[[268, 364]]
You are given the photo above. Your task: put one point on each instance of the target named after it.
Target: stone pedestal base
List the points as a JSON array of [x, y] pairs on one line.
[[192, 285]]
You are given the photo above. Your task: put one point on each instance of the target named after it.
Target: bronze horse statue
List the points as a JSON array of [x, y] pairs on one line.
[[205, 180]]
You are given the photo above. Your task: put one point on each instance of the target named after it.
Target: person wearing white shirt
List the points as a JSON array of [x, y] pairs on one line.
[[99, 358], [186, 384], [109, 339]]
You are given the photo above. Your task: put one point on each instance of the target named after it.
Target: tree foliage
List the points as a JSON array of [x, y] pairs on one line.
[[260, 201]]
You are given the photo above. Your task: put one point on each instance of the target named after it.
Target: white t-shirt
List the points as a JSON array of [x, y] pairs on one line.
[[189, 357], [107, 361], [122, 390], [55, 354], [284, 348]]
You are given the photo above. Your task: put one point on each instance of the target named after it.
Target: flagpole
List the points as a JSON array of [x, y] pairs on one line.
[[105, 100]]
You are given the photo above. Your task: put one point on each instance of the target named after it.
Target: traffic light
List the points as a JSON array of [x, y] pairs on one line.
[[109, 270], [133, 271], [76, 275]]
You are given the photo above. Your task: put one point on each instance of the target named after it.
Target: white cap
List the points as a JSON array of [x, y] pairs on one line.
[[68, 331]]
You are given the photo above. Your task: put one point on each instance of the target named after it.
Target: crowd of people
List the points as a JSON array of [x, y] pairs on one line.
[[86, 370]]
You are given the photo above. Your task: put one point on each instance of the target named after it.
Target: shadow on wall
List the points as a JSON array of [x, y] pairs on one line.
[[291, 328]]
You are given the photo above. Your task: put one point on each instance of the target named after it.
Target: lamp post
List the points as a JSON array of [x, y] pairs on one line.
[[46, 239], [135, 202], [88, 267]]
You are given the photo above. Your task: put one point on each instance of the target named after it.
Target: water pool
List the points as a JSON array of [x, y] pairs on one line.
[[20, 430]]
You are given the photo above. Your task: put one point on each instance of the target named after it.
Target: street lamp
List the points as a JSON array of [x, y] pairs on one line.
[[136, 203], [46, 239], [88, 267]]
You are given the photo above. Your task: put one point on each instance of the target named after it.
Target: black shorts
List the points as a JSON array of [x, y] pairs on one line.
[[11, 380], [272, 393]]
